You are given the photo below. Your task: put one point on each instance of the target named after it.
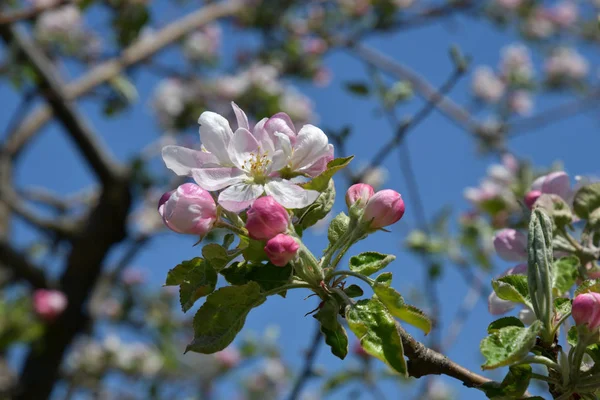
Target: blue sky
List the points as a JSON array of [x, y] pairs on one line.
[[444, 158]]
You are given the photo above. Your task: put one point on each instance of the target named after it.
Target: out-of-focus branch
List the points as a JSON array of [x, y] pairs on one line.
[[20, 267], [52, 200], [307, 369], [134, 54], [30, 13], [62, 227], [453, 111], [52, 89]]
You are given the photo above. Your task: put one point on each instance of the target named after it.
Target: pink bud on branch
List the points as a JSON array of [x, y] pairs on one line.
[[586, 310], [281, 249], [49, 304], [360, 192], [189, 209], [386, 207], [266, 218]]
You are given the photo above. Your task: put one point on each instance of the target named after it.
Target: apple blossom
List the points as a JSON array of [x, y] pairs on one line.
[[384, 208], [557, 183], [487, 86], [266, 218], [516, 62], [509, 4], [359, 192], [203, 44], [586, 310], [564, 14], [520, 102], [531, 197], [566, 63], [244, 165], [189, 209], [49, 304], [511, 245], [281, 249], [228, 358]]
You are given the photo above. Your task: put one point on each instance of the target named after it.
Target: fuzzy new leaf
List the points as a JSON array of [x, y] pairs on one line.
[[370, 262], [508, 345]]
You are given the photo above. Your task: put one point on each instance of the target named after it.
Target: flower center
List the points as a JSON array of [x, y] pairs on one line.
[[258, 162]]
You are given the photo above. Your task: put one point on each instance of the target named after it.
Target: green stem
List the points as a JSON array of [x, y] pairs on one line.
[[545, 378], [287, 287], [343, 295], [560, 322], [534, 359], [235, 229], [331, 251], [351, 273]]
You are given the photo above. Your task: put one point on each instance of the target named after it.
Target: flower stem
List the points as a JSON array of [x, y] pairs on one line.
[[235, 229], [544, 378], [351, 273], [534, 359]]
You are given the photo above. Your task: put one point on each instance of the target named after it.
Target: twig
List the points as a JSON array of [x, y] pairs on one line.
[[30, 13], [134, 54], [307, 369], [21, 267], [49, 83]]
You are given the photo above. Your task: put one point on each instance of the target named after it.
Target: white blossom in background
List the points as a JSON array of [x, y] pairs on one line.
[[375, 176], [497, 184], [438, 390], [62, 22], [564, 14], [169, 100], [402, 4], [566, 62], [515, 60], [203, 44], [509, 4], [299, 107], [486, 85], [146, 218], [539, 25], [521, 102]]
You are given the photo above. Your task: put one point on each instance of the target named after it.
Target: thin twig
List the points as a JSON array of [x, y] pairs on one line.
[[30, 13], [307, 369]]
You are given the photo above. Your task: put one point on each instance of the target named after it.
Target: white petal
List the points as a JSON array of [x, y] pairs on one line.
[[283, 143], [215, 135], [281, 122], [289, 195], [265, 140], [241, 147], [241, 117], [311, 145], [240, 196], [279, 160], [182, 160], [212, 179]]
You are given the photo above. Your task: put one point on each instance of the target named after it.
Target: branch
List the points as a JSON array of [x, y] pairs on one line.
[[307, 370], [21, 268], [49, 83], [30, 13], [423, 361], [449, 108], [134, 54]]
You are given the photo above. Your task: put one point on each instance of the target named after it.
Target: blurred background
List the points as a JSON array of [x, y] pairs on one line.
[[458, 105]]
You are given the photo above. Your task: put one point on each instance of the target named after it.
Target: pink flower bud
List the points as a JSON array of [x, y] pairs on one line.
[[531, 198], [386, 207], [281, 249], [359, 191], [48, 304], [586, 310], [511, 245], [189, 209], [266, 218]]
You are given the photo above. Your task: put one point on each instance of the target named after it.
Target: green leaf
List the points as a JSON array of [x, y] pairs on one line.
[[587, 200], [222, 316], [318, 210], [321, 181], [268, 276], [196, 278], [216, 255], [129, 22], [255, 251], [508, 345], [566, 272], [334, 333], [562, 307], [513, 386], [572, 336], [376, 329], [504, 322], [357, 88], [353, 291], [396, 305], [384, 278], [588, 286], [337, 228], [512, 288], [370, 262]]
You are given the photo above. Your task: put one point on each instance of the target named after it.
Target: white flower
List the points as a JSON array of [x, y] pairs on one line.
[[245, 165], [566, 63], [487, 85], [516, 61]]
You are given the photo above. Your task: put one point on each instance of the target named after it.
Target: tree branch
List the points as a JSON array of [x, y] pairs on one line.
[[134, 54], [21, 268], [307, 369], [49, 83], [30, 13], [423, 361]]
